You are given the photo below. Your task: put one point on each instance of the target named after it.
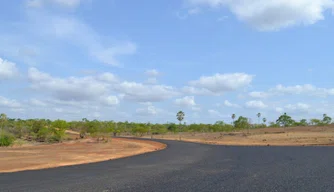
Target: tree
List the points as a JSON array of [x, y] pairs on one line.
[[326, 120], [285, 120], [303, 122], [3, 120], [241, 123], [233, 117], [258, 116], [58, 128], [264, 120], [180, 116]]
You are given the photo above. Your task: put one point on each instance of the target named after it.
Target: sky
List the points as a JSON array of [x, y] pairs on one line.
[[143, 61]]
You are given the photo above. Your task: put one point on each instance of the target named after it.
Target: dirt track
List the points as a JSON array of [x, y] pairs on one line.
[[70, 153], [294, 136]]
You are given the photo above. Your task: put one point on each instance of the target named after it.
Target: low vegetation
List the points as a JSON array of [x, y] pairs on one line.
[[45, 130]]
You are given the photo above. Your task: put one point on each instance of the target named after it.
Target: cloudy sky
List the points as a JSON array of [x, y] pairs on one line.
[[145, 60]]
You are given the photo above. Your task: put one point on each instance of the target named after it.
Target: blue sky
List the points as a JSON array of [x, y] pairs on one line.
[[145, 60]]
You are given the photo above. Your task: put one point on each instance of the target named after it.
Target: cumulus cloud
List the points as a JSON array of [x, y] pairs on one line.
[[215, 113], [229, 104], [38, 103], [152, 76], [152, 73], [145, 93], [72, 88], [62, 3], [306, 89], [9, 103], [220, 83], [110, 100], [147, 111], [298, 107], [8, 69], [108, 77], [256, 104], [271, 15], [61, 30], [187, 101], [258, 94]]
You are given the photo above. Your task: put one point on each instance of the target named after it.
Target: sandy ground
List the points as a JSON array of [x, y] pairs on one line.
[[29, 157], [296, 136]]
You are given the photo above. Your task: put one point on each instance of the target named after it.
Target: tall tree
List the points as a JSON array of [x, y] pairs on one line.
[[258, 116], [264, 120], [233, 117], [326, 119], [3, 120], [180, 116], [285, 121]]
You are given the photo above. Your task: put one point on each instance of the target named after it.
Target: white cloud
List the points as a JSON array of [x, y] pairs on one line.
[[271, 15], [9, 103], [194, 11], [62, 3], [108, 77], [147, 111], [72, 88], [197, 91], [67, 30], [152, 73], [306, 89], [110, 100], [38, 103], [108, 55], [215, 113], [229, 104], [258, 94], [298, 107], [221, 83], [256, 104], [145, 93], [279, 109], [187, 101], [8, 69]]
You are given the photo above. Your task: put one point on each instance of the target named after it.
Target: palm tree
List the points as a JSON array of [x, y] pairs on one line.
[[3, 120], [258, 115], [180, 116], [264, 120], [233, 117]]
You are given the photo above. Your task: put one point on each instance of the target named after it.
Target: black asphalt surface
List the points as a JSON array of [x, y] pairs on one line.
[[191, 167]]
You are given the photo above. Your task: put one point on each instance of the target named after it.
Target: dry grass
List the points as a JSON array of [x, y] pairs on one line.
[[30, 157], [295, 136]]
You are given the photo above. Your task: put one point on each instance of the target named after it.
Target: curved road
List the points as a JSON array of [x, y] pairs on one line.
[[190, 167]]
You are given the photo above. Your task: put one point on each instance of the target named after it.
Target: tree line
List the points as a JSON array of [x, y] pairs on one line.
[[46, 130]]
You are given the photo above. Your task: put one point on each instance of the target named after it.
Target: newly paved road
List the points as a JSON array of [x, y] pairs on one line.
[[191, 167]]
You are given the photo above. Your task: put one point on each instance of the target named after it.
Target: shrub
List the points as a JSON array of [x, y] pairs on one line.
[[6, 139]]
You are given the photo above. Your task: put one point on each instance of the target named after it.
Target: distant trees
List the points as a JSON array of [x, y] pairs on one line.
[[264, 120], [233, 117], [180, 116], [285, 120], [241, 122], [45, 130], [258, 117], [326, 120]]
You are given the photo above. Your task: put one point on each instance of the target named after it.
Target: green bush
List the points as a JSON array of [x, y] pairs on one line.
[[6, 139]]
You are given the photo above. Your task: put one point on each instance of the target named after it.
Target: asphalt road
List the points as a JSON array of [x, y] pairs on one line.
[[191, 167]]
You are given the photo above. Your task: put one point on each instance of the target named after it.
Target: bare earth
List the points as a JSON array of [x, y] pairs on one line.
[[28, 157], [296, 136]]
